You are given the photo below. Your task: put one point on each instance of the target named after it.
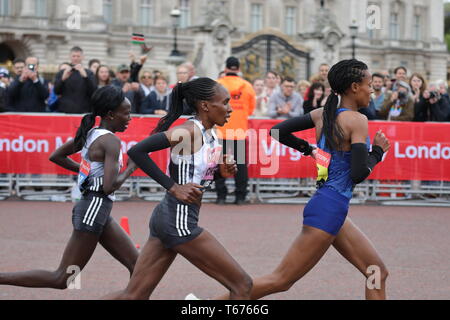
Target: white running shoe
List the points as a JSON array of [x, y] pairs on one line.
[[191, 296]]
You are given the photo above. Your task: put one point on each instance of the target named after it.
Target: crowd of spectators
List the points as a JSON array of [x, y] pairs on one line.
[[397, 97]]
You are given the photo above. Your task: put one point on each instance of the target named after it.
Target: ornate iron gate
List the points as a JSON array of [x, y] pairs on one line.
[[269, 52]]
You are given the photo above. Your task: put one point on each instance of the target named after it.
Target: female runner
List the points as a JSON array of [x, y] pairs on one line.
[[99, 176]]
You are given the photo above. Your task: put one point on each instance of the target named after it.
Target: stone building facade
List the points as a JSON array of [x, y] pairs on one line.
[[291, 36]]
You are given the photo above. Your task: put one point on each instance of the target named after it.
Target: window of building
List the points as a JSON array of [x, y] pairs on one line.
[[5, 8], [417, 28], [290, 21], [256, 17], [185, 18], [41, 8], [394, 26], [108, 11], [146, 13]]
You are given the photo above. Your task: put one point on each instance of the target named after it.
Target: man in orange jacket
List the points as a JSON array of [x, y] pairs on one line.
[[234, 133]]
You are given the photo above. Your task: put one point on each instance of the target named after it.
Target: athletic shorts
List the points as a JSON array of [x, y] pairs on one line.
[[327, 211], [174, 223], [92, 213]]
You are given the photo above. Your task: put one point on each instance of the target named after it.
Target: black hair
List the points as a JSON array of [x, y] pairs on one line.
[[105, 99], [288, 79], [377, 75], [92, 61], [18, 60], [314, 86], [341, 76], [399, 68], [76, 49], [201, 89]]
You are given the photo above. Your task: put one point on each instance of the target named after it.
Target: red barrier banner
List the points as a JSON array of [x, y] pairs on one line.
[[419, 151]]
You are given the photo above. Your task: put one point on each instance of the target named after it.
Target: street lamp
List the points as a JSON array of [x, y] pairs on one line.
[[175, 14], [353, 34]]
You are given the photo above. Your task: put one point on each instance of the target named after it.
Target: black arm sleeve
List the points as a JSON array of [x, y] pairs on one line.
[[364, 162], [286, 128], [139, 154]]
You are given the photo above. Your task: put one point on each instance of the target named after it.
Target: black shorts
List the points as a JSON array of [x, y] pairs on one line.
[[92, 213], [174, 223]]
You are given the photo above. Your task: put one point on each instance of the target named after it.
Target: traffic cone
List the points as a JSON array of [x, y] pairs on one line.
[[124, 223]]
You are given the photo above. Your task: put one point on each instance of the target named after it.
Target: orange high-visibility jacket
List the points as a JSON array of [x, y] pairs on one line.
[[243, 103]]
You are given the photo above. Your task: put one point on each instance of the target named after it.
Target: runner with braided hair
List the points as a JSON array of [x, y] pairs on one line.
[[196, 160], [343, 160], [98, 177]]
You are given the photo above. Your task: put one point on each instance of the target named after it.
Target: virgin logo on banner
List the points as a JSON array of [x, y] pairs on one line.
[[419, 151]]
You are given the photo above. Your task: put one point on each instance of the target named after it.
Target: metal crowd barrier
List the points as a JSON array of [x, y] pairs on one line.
[[276, 191], [6, 186]]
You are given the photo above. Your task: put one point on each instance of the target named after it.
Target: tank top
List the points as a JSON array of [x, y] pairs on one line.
[[201, 166], [334, 167], [90, 177]]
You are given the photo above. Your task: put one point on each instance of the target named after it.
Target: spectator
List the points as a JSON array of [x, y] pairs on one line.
[[4, 84], [75, 85], [324, 68], [234, 133], [443, 89], [418, 86], [131, 89], [378, 95], [387, 80], [271, 83], [303, 88], [94, 64], [432, 106], [191, 69], [326, 94], [103, 76], [18, 66], [157, 102], [52, 102], [398, 105], [286, 103], [315, 96], [400, 74], [135, 67], [30, 91], [261, 98], [182, 74], [147, 83]]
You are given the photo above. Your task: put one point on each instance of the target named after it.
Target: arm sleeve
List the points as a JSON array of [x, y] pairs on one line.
[[59, 84], [14, 89], [271, 110], [135, 69], [90, 82], [139, 154], [441, 110], [297, 110], [42, 90], [363, 162], [286, 128]]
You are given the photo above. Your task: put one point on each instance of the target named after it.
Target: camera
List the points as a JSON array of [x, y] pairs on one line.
[[72, 66], [402, 95], [434, 95], [32, 67]]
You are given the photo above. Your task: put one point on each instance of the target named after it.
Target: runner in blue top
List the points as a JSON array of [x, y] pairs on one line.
[[343, 161]]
